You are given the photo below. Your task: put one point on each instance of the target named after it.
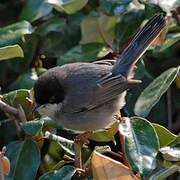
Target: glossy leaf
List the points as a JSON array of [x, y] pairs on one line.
[[175, 142], [164, 173], [102, 136], [170, 40], [9, 35], [11, 52], [152, 93], [65, 173], [70, 6], [32, 128], [55, 24], [113, 7], [17, 97], [171, 153], [66, 144], [25, 159], [25, 81], [141, 144], [164, 135], [34, 10], [98, 29], [84, 53], [29, 44]]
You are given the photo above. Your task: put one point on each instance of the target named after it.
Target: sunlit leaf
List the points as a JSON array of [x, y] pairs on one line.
[[9, 35], [34, 10], [171, 153], [70, 6], [141, 144], [66, 144], [104, 167], [164, 173], [98, 29], [152, 93], [164, 135], [11, 52]]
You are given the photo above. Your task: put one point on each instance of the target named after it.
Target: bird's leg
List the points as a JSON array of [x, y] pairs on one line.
[[80, 141]]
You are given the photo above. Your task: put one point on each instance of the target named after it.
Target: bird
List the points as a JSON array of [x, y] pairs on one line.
[[86, 96]]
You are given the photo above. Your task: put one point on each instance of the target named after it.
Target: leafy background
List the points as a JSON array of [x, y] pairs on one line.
[[38, 35]]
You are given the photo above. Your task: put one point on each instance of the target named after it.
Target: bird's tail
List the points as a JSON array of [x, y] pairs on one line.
[[138, 45]]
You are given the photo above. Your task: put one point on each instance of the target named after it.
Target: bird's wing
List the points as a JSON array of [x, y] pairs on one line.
[[108, 88]]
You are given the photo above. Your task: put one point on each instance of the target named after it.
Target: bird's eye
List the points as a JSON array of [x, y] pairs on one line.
[[52, 99]]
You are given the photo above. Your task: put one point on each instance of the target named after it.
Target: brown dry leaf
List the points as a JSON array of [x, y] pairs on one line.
[[105, 168]]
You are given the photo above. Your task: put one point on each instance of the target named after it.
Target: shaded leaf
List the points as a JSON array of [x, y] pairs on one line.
[[70, 6], [65, 173], [141, 144], [29, 44], [175, 142], [164, 173], [25, 80], [11, 52], [170, 40], [34, 10], [114, 7], [32, 128], [9, 35], [170, 153], [164, 135], [66, 144], [84, 53], [152, 93], [55, 24], [104, 167], [25, 159]]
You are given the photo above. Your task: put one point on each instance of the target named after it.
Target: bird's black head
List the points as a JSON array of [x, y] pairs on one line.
[[47, 89]]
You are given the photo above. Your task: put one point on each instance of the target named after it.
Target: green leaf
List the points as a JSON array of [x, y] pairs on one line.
[[141, 144], [152, 93], [101, 136], [170, 153], [66, 144], [65, 173], [32, 128], [29, 45], [164, 135], [68, 6], [25, 80], [98, 29], [113, 7], [164, 173], [11, 52], [9, 35], [175, 142], [84, 53], [17, 97], [34, 10], [25, 159], [55, 24], [170, 39]]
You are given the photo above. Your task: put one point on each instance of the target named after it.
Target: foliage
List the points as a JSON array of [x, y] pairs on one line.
[[38, 35]]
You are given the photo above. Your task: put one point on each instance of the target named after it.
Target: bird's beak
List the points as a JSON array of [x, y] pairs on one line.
[[36, 107]]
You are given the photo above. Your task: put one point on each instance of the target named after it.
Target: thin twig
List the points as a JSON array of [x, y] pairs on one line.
[[169, 108]]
